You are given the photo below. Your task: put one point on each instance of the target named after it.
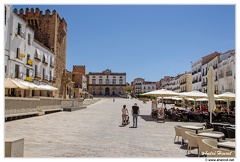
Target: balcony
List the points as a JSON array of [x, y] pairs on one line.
[[29, 62], [38, 76], [22, 55], [220, 76], [45, 78], [52, 79], [45, 63], [204, 83], [229, 73], [52, 64], [28, 79], [37, 59], [183, 83]]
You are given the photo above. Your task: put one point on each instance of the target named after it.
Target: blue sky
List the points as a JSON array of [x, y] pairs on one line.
[[147, 41]]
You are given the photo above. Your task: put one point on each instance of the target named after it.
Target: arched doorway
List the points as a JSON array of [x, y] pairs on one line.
[[107, 91]]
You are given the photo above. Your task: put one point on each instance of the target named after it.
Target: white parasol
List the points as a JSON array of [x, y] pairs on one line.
[[210, 91]]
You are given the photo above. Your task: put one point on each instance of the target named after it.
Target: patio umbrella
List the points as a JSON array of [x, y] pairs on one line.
[[210, 91], [228, 96], [193, 94], [161, 93]]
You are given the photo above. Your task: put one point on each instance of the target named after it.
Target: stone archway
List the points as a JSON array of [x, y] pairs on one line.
[[107, 91]]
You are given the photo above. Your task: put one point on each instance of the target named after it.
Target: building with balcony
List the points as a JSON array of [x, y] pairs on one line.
[[106, 83], [226, 72], [148, 86], [207, 61], [50, 31], [26, 58], [137, 86], [185, 82], [196, 75]]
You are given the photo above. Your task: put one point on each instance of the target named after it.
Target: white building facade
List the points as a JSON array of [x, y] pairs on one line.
[[148, 86], [196, 75], [20, 57], [226, 74], [107, 83]]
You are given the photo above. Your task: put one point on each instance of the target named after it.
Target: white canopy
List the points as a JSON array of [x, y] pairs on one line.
[[30, 85], [228, 96], [11, 83], [18, 83], [161, 93], [193, 94]]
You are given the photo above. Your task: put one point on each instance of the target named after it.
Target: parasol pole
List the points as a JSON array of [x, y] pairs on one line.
[[194, 104], [228, 105], [162, 101]]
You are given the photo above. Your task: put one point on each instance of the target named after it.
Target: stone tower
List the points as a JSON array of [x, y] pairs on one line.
[[77, 73], [51, 31]]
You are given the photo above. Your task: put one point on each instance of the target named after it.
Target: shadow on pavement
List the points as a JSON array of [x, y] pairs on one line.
[[147, 118], [192, 155]]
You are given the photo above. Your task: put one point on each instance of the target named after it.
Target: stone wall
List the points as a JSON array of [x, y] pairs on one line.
[[16, 105]]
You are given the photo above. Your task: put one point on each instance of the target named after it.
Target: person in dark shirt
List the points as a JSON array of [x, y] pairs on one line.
[[135, 113]]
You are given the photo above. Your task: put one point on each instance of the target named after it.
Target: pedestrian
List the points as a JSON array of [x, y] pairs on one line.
[[124, 115], [135, 113]]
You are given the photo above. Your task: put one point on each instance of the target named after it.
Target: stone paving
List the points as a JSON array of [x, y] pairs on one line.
[[96, 132]]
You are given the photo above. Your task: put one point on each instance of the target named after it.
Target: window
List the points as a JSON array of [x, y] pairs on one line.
[[27, 73], [36, 53], [107, 81], [43, 58], [17, 68], [50, 76], [18, 53], [19, 29], [51, 62], [94, 81], [120, 81], [43, 76], [5, 15], [114, 81], [100, 81], [29, 39], [36, 69]]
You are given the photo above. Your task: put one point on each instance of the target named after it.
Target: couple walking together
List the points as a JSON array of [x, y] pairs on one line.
[[135, 112]]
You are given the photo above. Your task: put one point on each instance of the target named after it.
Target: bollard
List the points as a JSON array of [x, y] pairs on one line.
[[14, 147]]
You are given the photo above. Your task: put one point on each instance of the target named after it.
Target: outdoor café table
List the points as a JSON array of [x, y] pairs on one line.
[[193, 127], [228, 144], [231, 128], [212, 135]]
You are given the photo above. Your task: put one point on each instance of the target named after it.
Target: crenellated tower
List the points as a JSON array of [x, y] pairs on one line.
[[77, 73]]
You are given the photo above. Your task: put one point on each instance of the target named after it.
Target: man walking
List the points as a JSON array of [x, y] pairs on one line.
[[135, 113]]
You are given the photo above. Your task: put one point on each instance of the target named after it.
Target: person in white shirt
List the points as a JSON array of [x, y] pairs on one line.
[[124, 115]]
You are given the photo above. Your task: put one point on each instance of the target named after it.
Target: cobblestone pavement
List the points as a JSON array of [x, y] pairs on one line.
[[96, 132]]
